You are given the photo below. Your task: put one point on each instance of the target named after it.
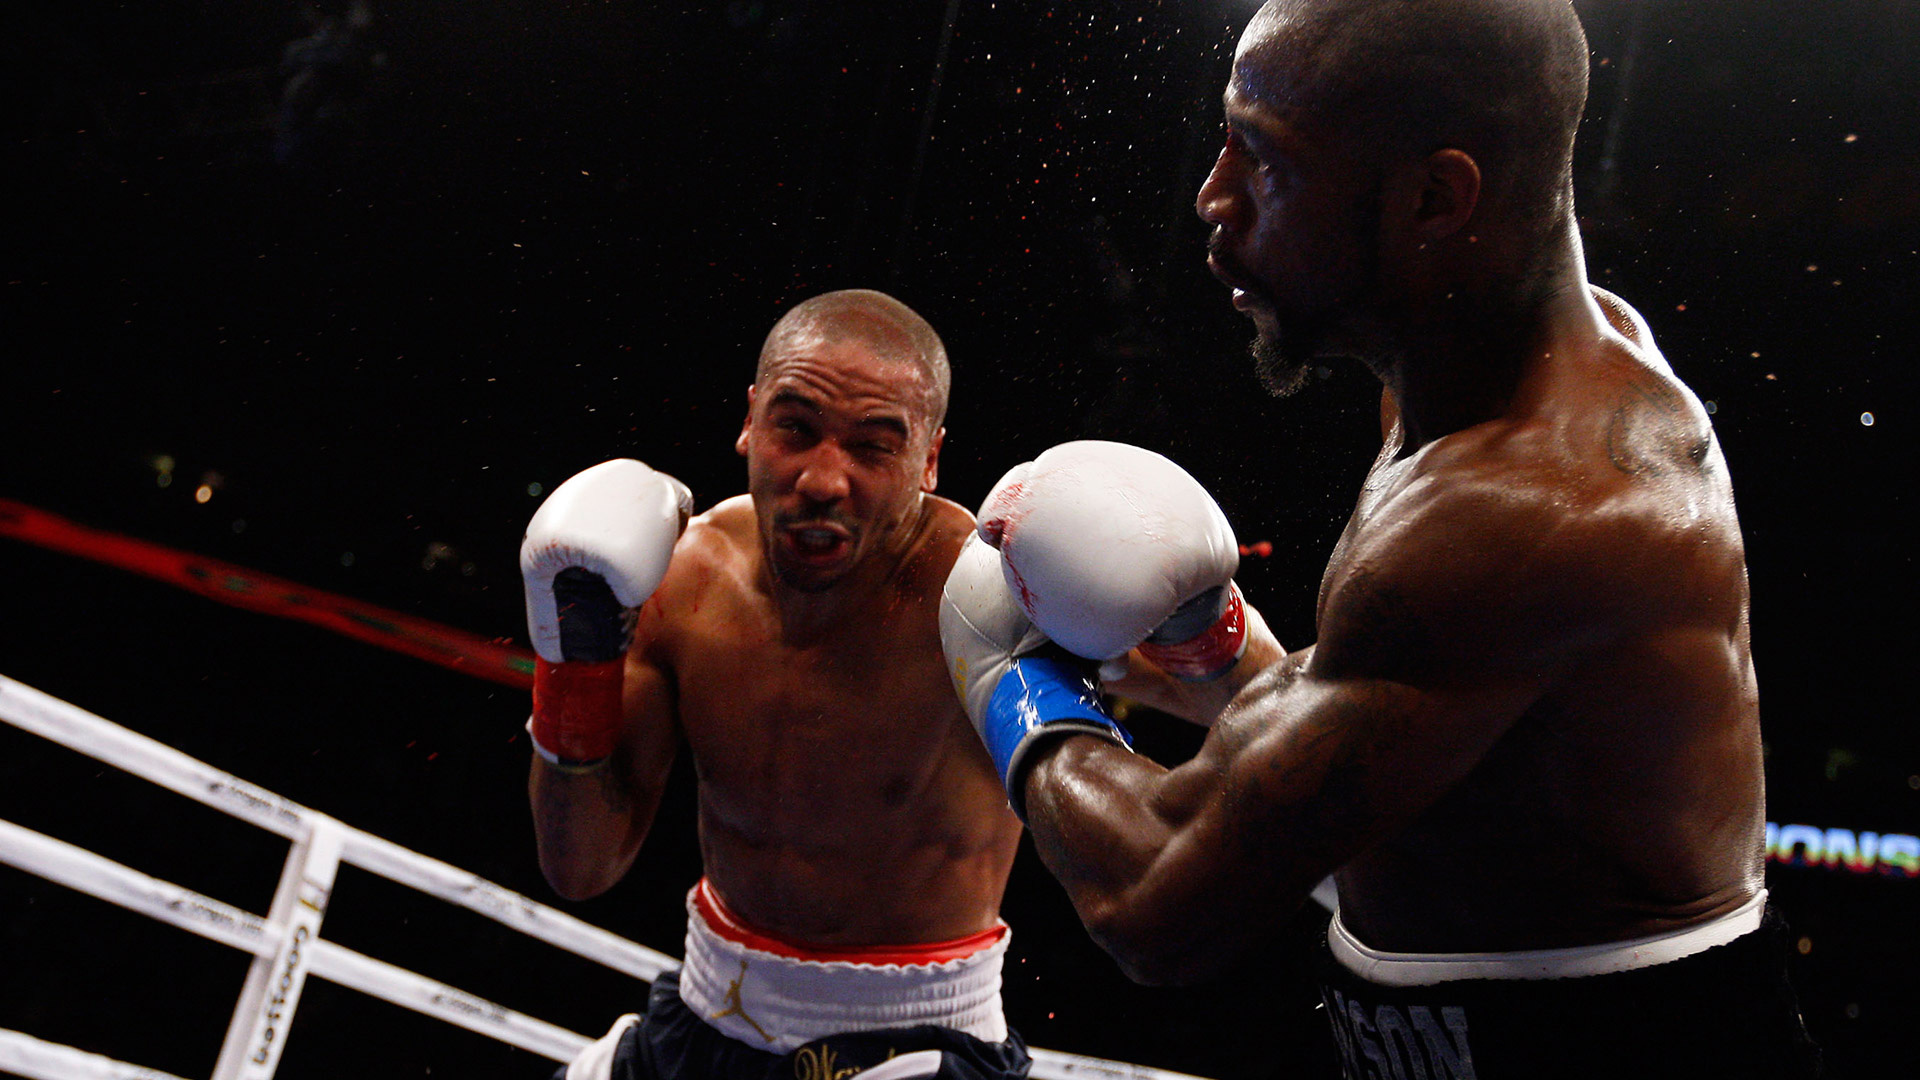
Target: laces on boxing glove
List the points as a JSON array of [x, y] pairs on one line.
[[594, 627]]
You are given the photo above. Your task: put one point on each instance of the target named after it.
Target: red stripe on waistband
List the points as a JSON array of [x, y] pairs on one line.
[[728, 926]]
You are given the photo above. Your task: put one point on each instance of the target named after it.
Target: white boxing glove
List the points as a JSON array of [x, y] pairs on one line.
[[1110, 546], [594, 551], [1018, 688]]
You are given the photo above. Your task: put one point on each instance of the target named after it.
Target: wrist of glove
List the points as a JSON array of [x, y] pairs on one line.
[[1040, 698], [1202, 640], [576, 699], [576, 712], [1019, 689]]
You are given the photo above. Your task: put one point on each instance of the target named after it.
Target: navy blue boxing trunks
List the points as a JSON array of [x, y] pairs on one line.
[[1726, 1010], [671, 1043]]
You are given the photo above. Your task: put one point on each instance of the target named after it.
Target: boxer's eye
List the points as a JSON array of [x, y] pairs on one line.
[[1239, 144], [793, 426]]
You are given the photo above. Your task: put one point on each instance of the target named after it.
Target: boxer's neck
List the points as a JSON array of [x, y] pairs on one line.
[[1464, 357]]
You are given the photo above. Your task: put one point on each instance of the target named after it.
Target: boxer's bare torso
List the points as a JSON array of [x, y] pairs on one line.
[[843, 797], [1623, 798], [794, 648], [1529, 720]]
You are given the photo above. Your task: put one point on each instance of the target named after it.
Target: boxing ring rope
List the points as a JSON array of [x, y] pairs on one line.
[[286, 944]]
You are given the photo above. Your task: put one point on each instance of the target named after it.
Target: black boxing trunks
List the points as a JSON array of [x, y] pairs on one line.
[[1709, 1001], [748, 1007]]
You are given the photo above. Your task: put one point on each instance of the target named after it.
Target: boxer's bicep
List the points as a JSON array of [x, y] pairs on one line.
[[1337, 765], [1426, 659], [1326, 753], [649, 737]]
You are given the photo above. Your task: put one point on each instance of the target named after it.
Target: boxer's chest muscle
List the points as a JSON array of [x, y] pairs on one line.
[[843, 726], [1383, 482]]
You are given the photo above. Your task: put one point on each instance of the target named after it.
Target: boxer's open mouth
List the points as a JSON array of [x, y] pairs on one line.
[[817, 543], [1246, 295]]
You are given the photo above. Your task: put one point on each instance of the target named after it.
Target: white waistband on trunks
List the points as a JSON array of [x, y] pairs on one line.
[[1425, 969], [777, 997]]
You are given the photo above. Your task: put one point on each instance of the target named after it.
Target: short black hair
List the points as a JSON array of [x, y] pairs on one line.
[[893, 329], [1503, 80]]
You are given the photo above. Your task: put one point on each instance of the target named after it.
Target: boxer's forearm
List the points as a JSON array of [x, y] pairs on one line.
[[1178, 873], [1109, 825], [587, 826]]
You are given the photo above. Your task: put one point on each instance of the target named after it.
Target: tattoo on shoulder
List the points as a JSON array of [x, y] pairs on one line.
[[1648, 424]]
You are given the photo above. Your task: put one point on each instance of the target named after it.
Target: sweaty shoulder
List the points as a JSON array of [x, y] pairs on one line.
[[948, 523], [1598, 507], [944, 528], [719, 547]]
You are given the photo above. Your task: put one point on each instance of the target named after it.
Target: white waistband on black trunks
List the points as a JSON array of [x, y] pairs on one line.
[[1425, 969], [776, 997]]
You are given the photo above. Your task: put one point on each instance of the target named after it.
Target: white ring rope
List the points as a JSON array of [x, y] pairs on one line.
[[101, 739], [1054, 1065], [286, 945], [24, 1055], [84, 871]]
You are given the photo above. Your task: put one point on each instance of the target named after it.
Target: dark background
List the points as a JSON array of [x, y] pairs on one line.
[[370, 296]]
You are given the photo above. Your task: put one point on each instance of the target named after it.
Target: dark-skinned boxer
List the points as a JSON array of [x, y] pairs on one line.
[[1526, 740]]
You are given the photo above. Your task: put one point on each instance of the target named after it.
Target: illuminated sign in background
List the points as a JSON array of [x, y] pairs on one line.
[[1889, 854]]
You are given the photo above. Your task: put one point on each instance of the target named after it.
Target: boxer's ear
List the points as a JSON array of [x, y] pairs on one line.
[[740, 444], [1448, 192], [930, 479]]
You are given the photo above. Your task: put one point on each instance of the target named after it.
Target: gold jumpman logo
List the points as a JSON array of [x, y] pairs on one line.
[[733, 995]]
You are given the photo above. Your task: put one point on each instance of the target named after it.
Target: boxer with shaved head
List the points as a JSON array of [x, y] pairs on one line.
[[1526, 741], [854, 837]]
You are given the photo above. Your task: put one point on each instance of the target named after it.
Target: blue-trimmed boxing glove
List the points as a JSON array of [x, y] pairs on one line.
[[1019, 689]]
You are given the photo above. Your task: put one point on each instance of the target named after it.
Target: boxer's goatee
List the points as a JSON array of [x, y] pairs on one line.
[[1281, 374]]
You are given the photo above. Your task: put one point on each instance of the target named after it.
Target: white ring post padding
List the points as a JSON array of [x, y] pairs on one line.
[[101, 739], [23, 1055], [258, 1032], [100, 877]]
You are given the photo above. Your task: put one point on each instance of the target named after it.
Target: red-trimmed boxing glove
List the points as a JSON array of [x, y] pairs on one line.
[[1110, 546], [594, 551]]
